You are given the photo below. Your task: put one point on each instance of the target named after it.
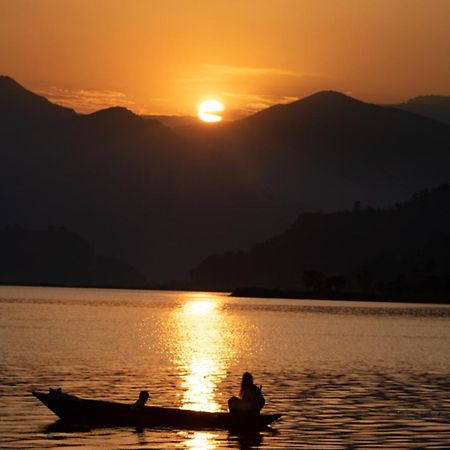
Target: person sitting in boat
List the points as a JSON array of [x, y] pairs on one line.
[[140, 403], [250, 400]]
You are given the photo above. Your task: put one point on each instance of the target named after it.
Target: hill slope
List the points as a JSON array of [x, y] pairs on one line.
[[435, 106], [328, 150], [405, 247], [57, 256], [17, 103], [163, 198]]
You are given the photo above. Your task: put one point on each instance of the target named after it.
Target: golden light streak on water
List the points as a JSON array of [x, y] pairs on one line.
[[199, 307], [349, 374], [199, 440], [203, 351]]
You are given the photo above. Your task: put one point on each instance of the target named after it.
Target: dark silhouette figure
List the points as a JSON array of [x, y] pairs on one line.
[[250, 400], [140, 403]]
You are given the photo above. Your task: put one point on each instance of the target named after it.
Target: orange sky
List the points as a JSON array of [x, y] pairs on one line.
[[164, 56]]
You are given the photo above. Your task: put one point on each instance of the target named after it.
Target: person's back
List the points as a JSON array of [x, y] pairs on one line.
[[252, 395], [140, 403], [250, 400]]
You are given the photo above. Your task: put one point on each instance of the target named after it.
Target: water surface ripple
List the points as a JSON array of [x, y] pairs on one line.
[[346, 375]]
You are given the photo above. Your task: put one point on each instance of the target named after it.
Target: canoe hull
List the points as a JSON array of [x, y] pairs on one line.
[[102, 413]]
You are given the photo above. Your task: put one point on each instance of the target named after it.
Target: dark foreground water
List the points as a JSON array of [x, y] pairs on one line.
[[345, 375]]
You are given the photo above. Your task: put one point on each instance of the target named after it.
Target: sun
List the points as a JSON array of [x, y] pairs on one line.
[[207, 111]]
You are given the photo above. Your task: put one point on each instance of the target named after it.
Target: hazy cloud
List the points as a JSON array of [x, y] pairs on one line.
[[246, 90], [255, 71], [84, 100], [253, 103], [216, 72]]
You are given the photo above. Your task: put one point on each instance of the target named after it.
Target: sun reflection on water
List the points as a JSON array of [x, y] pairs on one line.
[[199, 385], [200, 440], [203, 351], [199, 307]]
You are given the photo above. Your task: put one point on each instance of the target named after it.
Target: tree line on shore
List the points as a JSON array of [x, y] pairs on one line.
[[394, 251]]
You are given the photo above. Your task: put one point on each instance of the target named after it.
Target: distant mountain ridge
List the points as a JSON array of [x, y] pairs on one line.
[[172, 121], [163, 198], [400, 250], [18, 102], [323, 101], [435, 106], [116, 113], [57, 256]]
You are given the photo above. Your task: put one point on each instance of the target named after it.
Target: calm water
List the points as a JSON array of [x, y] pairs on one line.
[[346, 375]]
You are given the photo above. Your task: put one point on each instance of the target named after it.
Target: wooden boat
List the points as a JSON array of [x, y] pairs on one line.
[[76, 410]]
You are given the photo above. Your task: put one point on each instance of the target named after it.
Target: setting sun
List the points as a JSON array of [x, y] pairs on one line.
[[207, 111]]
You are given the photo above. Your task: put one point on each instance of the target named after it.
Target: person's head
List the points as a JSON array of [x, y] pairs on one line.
[[247, 380], [143, 395]]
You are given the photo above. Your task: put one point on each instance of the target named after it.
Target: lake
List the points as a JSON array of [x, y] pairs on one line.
[[346, 375]]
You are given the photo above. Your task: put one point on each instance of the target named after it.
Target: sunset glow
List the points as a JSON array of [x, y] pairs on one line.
[[225, 224], [146, 57], [209, 111]]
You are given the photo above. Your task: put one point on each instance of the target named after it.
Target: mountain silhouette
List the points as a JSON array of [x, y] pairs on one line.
[[435, 106], [330, 148], [399, 249], [162, 198], [311, 107], [172, 121], [116, 114], [57, 256], [17, 103]]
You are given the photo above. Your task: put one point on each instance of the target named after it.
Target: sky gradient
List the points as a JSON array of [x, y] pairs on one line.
[[164, 57]]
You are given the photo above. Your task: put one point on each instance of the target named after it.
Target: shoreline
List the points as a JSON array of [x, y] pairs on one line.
[[251, 292], [338, 296], [180, 288]]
